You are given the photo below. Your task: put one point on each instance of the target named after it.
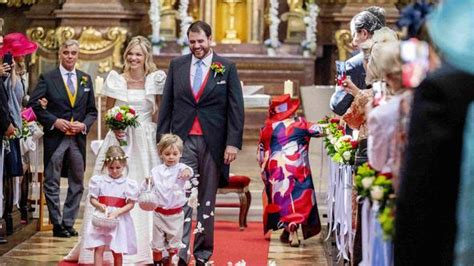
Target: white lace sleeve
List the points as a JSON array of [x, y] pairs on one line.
[[155, 83], [115, 86]]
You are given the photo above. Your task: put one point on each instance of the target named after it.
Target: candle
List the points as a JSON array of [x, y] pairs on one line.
[[241, 84], [99, 83], [288, 88], [99, 117]]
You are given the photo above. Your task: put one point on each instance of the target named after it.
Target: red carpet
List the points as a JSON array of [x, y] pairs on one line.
[[231, 244]]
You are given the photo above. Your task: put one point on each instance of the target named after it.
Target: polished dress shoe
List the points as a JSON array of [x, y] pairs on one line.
[[200, 262], [182, 262], [60, 231], [71, 230]]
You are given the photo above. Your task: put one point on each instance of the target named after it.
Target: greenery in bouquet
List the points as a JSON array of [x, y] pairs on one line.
[[364, 179], [386, 219], [333, 131], [345, 148], [381, 189], [121, 117], [25, 130]]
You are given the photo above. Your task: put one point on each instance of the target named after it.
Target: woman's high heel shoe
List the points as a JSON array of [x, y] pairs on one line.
[[294, 241]]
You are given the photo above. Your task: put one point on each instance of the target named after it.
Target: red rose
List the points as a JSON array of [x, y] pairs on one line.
[[119, 117], [219, 64], [340, 128], [334, 120], [354, 144], [132, 111]]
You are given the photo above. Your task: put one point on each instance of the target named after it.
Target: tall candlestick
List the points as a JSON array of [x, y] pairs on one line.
[[99, 82], [288, 88]]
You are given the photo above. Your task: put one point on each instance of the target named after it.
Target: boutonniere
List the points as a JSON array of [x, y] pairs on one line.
[[218, 68], [84, 81]]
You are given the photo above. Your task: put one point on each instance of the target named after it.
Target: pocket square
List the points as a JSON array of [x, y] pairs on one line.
[[221, 82], [87, 89]]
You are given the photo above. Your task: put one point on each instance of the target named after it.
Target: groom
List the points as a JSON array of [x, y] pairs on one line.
[[203, 104], [67, 119]]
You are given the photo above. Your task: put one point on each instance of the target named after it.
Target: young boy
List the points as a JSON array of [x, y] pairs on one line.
[[168, 183]]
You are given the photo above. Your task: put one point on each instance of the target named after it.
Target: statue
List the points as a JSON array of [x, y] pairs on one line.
[[296, 28]]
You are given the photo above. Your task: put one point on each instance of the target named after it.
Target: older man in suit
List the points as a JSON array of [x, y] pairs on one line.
[[68, 117], [203, 104]]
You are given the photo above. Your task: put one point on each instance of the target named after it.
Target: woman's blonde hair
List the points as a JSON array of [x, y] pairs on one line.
[[114, 153], [168, 140], [375, 56], [145, 45]]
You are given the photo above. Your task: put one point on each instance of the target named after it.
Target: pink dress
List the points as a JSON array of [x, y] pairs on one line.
[[123, 238]]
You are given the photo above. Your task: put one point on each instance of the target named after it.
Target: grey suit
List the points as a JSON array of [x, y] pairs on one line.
[[64, 155], [220, 112]]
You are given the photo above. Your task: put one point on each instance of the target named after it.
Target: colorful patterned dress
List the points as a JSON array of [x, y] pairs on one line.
[[289, 192]]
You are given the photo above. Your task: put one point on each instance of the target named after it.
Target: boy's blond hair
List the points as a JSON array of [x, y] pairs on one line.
[[168, 140]]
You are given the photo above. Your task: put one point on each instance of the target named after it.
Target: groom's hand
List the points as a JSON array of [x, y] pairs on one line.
[[230, 154], [62, 125]]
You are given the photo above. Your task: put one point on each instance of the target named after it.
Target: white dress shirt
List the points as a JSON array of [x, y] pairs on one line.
[[206, 66]]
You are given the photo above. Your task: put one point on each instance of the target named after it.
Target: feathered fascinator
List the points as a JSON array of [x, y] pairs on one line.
[[413, 16]]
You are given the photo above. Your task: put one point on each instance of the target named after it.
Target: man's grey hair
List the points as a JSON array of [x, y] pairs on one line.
[[67, 43], [379, 12], [366, 20]]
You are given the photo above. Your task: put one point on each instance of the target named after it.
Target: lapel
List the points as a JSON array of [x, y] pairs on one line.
[[212, 80], [80, 88], [186, 80], [59, 85]]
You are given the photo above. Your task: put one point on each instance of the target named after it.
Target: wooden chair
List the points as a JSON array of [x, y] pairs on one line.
[[238, 184]]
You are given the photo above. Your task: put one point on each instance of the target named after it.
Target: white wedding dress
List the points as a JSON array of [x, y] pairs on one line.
[[142, 157]]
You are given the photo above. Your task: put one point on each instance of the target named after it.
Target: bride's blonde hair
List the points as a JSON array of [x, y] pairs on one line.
[[145, 45]]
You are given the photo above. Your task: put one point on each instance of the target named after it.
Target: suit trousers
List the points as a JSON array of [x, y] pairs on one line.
[[197, 156], [68, 149]]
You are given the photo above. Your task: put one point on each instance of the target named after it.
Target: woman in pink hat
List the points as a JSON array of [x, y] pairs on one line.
[[290, 200], [17, 46]]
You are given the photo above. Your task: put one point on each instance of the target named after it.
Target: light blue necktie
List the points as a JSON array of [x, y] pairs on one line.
[[69, 83], [197, 77]]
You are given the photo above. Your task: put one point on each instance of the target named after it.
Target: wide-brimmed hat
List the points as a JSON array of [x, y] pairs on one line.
[[281, 107], [450, 27], [18, 44]]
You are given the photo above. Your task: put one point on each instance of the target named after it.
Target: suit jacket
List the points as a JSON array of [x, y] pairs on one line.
[[220, 109], [51, 86], [426, 204], [354, 69], [5, 119]]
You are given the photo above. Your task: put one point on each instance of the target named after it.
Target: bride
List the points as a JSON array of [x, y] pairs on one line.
[[140, 86]]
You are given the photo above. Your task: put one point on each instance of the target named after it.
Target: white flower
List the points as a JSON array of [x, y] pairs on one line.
[[376, 193], [367, 182], [195, 182], [333, 141], [198, 229], [187, 220], [212, 213], [346, 155], [208, 203], [205, 216], [129, 115]]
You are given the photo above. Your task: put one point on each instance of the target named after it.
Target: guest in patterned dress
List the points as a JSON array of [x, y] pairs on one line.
[[289, 198]]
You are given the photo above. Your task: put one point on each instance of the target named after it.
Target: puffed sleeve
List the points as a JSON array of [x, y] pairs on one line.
[[94, 186], [155, 82], [132, 190], [115, 86]]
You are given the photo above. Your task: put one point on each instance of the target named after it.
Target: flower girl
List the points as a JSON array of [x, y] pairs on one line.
[[113, 196], [168, 183]]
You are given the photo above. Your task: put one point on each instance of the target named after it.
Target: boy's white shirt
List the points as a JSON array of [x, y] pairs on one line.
[[167, 186]]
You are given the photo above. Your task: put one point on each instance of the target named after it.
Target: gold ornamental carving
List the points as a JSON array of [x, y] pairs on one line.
[[343, 42], [91, 41], [18, 3]]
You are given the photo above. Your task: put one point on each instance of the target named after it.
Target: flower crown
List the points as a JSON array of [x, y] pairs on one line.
[[115, 158]]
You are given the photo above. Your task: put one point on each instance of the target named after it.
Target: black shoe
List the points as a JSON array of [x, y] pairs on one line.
[[60, 231], [71, 230], [9, 224], [182, 262], [285, 237]]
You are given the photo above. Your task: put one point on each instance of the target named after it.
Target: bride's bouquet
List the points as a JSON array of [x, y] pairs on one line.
[[121, 117]]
